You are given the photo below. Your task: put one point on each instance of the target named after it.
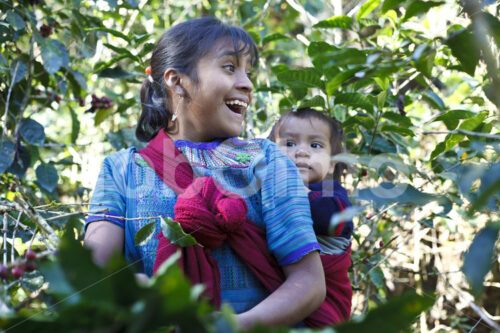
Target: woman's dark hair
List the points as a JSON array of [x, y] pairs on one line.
[[336, 133], [181, 47]]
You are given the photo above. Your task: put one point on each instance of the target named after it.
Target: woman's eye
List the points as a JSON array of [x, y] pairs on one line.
[[290, 144], [229, 67], [316, 145]]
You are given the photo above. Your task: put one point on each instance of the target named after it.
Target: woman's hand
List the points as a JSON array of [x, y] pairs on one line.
[[301, 294], [104, 239]]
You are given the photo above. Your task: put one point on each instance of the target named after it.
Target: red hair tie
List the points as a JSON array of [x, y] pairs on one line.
[[148, 70]]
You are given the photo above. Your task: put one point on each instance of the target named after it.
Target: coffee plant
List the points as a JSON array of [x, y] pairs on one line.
[[415, 83]]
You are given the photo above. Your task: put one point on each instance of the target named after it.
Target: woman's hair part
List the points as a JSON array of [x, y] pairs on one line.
[[181, 47], [337, 141]]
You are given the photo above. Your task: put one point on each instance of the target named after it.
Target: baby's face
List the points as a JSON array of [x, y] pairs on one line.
[[307, 144]]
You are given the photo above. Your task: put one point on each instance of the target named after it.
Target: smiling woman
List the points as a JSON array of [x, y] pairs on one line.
[[192, 111]]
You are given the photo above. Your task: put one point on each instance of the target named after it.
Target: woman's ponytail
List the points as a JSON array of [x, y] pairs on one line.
[[154, 114]]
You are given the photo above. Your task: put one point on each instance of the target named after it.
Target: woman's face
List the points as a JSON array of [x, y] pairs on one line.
[[215, 106]]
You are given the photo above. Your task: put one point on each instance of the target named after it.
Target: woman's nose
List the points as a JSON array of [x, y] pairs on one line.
[[243, 82]]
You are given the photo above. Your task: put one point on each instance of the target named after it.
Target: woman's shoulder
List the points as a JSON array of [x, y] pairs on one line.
[[120, 158]]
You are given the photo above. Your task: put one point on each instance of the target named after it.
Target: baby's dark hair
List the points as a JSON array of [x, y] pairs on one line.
[[180, 48], [336, 133]]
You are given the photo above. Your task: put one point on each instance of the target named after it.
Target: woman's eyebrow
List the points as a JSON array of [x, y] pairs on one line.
[[227, 53]]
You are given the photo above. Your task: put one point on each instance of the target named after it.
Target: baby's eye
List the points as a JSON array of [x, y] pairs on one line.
[[249, 75], [290, 143], [316, 145], [229, 67]]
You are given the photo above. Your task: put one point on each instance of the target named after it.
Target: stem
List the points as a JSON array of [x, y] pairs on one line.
[[4, 128], [5, 239], [374, 130], [39, 221], [30, 76], [468, 133], [12, 257]]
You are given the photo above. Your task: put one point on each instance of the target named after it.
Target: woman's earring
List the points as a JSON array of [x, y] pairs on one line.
[[174, 116]]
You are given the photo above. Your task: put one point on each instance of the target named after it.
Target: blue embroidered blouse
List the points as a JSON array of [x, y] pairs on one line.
[[255, 169]]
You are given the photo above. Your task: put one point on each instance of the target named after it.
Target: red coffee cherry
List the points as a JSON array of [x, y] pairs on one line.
[[30, 266], [4, 272], [30, 255], [45, 30], [381, 243], [17, 271], [364, 173], [81, 101], [57, 98]]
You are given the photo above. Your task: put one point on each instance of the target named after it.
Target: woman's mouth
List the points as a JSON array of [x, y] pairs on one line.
[[237, 106]]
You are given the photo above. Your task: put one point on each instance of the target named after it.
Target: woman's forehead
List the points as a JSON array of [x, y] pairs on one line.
[[226, 47]]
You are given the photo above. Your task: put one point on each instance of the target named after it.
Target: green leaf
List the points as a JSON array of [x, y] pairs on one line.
[[355, 100], [15, 20], [345, 56], [148, 47], [54, 275], [18, 71], [387, 193], [341, 21], [112, 32], [173, 232], [397, 118], [122, 51], [320, 48], [47, 177], [273, 37], [472, 123], [383, 318], [377, 277], [54, 55], [438, 150], [390, 4], [401, 130], [32, 132], [436, 101], [6, 308], [21, 162], [489, 191], [7, 154], [340, 78], [464, 48], [479, 258], [101, 66], [101, 115], [367, 8], [418, 7], [493, 25], [455, 115], [132, 3], [306, 78], [75, 125], [144, 234], [318, 101], [366, 122], [115, 73]]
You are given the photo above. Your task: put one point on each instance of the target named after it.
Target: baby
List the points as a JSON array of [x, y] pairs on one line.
[[310, 139]]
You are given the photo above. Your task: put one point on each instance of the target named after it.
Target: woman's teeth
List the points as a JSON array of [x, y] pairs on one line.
[[237, 102]]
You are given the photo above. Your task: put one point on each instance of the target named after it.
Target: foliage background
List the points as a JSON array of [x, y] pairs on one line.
[[415, 83]]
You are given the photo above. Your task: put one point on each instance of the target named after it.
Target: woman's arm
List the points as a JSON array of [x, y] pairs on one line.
[[104, 239], [301, 294]]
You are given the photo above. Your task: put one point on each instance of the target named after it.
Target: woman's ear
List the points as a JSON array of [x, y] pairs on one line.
[[173, 82]]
